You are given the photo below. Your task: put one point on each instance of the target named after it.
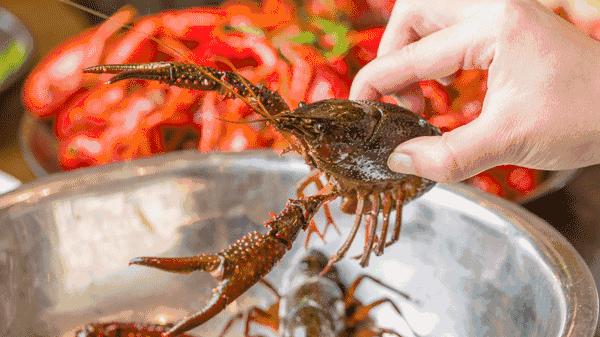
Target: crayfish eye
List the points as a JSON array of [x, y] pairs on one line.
[[319, 127]]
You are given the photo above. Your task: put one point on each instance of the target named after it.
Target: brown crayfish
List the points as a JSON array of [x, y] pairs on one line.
[[345, 141]]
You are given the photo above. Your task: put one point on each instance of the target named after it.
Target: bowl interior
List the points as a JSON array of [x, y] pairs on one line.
[[66, 242]]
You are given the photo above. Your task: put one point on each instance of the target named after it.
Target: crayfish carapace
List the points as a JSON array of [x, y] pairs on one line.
[[346, 141]]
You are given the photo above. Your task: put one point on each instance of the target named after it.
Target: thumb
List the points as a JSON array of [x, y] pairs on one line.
[[454, 156]]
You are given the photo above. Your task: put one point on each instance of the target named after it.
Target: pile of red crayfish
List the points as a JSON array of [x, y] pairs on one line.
[[307, 52]]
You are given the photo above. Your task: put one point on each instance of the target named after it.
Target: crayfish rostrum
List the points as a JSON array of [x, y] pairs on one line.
[[345, 141]]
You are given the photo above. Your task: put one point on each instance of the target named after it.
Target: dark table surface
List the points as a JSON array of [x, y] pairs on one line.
[[574, 210]]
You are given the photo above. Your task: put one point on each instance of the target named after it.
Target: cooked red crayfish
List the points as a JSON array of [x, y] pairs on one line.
[[311, 306], [348, 141]]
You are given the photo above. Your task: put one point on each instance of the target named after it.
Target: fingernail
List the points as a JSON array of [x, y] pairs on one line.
[[401, 162]]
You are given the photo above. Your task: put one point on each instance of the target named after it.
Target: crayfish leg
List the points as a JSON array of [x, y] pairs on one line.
[[230, 323], [253, 315], [399, 205], [315, 177], [312, 228], [358, 281], [360, 208], [387, 210], [184, 265], [271, 288], [257, 315], [362, 312], [371, 230]]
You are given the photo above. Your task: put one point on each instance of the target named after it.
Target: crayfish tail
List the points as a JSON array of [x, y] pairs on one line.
[[217, 303], [204, 262]]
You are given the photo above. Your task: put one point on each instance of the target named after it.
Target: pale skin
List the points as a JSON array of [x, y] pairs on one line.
[[542, 108]]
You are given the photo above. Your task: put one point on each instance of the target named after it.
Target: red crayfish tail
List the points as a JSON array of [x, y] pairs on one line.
[[218, 302], [204, 262]]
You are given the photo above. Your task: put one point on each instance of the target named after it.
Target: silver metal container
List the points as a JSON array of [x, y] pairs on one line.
[[478, 265]]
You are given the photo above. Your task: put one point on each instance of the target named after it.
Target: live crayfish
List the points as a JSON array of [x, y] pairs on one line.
[[319, 305], [310, 305], [347, 141]]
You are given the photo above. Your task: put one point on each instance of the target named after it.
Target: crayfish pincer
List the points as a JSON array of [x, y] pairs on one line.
[[345, 142], [242, 264]]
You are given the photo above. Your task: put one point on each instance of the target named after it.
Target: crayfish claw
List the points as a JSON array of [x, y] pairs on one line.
[[160, 71], [217, 303], [243, 263], [152, 67], [204, 262]]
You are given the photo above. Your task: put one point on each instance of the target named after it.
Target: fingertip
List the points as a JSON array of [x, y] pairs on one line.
[[361, 88], [432, 159], [401, 162]]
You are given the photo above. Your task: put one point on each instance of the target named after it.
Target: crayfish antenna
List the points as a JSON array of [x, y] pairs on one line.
[[184, 265]]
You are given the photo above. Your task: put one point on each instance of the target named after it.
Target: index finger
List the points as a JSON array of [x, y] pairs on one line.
[[399, 30], [437, 55]]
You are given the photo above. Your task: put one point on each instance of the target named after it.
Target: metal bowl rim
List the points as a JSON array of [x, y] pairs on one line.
[[574, 275]]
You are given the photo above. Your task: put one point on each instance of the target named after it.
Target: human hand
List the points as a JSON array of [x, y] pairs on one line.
[[542, 107]]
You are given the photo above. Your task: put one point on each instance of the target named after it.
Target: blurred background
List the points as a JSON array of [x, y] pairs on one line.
[[50, 23]]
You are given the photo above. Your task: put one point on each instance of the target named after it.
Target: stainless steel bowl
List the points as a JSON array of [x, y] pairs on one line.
[[479, 265]]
